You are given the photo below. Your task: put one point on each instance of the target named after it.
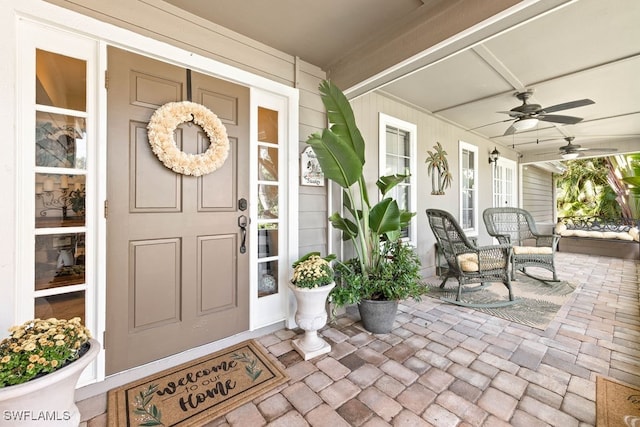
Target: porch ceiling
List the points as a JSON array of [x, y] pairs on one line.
[[562, 50]]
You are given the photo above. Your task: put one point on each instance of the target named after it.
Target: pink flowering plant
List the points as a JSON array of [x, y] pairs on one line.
[[39, 347], [312, 271]]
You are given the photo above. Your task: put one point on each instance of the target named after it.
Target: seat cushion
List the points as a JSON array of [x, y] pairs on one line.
[[532, 250], [620, 235], [469, 262]]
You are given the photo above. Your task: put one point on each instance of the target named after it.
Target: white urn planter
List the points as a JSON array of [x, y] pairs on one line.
[[48, 400], [311, 315]]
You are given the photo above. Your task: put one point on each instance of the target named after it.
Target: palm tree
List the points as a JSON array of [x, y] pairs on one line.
[[624, 179], [437, 160], [583, 190], [432, 164]]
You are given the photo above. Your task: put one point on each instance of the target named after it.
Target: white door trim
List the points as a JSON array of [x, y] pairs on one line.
[[274, 308]]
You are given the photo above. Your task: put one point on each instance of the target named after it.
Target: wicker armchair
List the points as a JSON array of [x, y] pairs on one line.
[[468, 263], [516, 226]]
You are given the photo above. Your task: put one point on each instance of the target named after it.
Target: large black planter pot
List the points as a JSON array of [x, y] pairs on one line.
[[378, 316]]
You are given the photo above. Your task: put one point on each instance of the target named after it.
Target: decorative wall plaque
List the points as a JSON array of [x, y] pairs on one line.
[[310, 171]]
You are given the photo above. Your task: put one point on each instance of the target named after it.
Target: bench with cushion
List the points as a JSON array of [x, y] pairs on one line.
[[616, 237]]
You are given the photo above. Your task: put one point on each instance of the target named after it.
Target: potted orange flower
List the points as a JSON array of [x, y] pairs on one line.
[[40, 364]]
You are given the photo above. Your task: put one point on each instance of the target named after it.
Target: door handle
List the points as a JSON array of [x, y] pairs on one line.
[[243, 223]]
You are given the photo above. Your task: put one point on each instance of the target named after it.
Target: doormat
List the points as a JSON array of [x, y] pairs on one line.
[[538, 302], [617, 404], [198, 391]]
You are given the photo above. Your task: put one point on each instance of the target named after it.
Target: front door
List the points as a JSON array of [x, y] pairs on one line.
[[176, 276]]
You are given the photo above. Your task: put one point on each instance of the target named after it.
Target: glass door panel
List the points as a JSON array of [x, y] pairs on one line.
[[64, 306], [59, 260], [60, 200], [60, 165], [267, 125], [60, 140], [61, 81], [267, 163], [268, 201]]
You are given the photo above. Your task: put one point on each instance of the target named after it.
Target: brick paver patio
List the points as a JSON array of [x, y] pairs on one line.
[[445, 365]]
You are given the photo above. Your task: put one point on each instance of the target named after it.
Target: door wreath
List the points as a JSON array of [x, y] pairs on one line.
[[160, 132]]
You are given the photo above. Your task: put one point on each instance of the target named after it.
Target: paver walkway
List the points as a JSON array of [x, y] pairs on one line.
[[444, 365]]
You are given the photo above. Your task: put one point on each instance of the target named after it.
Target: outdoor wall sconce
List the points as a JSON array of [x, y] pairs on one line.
[[493, 157]]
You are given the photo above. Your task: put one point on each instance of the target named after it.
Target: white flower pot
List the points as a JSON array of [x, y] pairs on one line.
[[48, 400], [311, 315]]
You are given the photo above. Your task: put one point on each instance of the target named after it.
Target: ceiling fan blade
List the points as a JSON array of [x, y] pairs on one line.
[[568, 105], [512, 113], [510, 131], [555, 118]]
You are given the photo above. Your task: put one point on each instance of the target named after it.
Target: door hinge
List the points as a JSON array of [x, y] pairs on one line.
[[106, 79], [106, 209], [104, 340]]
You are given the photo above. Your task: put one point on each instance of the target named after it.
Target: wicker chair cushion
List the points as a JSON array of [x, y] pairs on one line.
[[532, 250], [469, 262], [635, 233], [560, 228]]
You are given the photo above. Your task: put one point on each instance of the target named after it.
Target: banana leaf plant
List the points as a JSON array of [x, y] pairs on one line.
[[340, 150]]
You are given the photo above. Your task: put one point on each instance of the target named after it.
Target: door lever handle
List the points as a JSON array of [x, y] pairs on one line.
[[243, 223]]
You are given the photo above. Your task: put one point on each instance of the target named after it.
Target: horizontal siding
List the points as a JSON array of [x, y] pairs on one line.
[[312, 118], [312, 201], [161, 21], [312, 219], [538, 194]]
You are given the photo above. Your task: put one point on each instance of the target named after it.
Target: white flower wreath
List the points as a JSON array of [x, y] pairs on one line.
[[160, 132]]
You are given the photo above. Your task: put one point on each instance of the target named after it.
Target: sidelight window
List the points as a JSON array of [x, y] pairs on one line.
[[60, 186], [268, 201]]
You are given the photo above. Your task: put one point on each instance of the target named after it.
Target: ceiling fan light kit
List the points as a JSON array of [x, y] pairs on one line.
[[525, 124], [570, 156]]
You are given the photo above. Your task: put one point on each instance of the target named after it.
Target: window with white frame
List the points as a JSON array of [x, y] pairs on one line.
[[398, 145], [58, 254], [504, 183], [469, 188]]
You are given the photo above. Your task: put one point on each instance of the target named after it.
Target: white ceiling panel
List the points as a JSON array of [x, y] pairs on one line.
[[449, 83], [569, 50]]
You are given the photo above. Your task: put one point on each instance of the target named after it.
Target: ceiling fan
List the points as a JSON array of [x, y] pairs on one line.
[[528, 115], [572, 151]]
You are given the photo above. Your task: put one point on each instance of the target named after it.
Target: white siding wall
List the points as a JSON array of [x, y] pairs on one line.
[[430, 131], [312, 200], [538, 193], [161, 21]]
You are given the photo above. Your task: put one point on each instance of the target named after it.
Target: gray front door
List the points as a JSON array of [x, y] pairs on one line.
[[176, 278]]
